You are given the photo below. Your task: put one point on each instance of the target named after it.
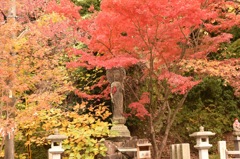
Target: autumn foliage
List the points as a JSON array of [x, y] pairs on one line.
[[158, 36], [35, 82], [166, 39]]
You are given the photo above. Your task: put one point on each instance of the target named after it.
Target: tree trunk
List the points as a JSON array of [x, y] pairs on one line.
[[153, 139], [152, 129], [170, 120], [9, 147], [9, 139]]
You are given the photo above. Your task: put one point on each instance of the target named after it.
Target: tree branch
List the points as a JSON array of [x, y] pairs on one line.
[[23, 33], [4, 17]]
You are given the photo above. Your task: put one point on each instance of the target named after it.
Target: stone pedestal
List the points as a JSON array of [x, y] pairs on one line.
[[55, 153], [119, 129]]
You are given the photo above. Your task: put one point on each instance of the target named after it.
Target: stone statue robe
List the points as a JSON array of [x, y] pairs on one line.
[[117, 99]]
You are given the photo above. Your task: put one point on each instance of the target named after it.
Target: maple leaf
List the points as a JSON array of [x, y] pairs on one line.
[[144, 98], [178, 83], [91, 8], [66, 8], [138, 109]]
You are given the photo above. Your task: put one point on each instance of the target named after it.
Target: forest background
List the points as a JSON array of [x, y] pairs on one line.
[[50, 77]]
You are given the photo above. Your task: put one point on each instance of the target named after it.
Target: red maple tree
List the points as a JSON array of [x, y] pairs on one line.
[[158, 35]]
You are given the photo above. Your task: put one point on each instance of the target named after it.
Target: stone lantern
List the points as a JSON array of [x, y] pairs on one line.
[[236, 134], [143, 149], [202, 145], [56, 145]]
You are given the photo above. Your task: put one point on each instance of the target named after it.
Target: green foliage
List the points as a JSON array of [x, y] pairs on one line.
[[137, 127], [212, 105], [39, 152], [214, 156], [229, 50], [86, 5], [234, 49], [235, 31]]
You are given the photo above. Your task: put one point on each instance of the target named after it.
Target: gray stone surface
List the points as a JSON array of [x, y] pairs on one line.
[[180, 151], [121, 147], [116, 77], [121, 130]]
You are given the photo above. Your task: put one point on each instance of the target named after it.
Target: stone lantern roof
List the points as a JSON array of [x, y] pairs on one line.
[[56, 136], [202, 133]]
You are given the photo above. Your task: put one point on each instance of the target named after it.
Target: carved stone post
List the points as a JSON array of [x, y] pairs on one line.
[[222, 148], [116, 77], [180, 151]]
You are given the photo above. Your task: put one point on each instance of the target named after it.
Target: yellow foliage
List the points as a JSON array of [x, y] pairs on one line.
[[53, 18], [19, 43]]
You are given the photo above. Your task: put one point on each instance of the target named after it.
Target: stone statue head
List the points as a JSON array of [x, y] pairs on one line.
[[116, 74]]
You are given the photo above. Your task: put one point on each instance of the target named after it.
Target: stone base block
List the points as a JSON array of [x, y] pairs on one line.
[[120, 130], [120, 120]]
